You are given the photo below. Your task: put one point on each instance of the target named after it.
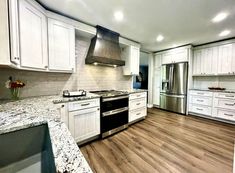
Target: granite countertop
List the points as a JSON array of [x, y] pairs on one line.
[[223, 91], [61, 99], [40, 110], [131, 91]]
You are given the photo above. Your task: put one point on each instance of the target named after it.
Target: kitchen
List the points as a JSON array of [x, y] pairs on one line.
[[72, 95]]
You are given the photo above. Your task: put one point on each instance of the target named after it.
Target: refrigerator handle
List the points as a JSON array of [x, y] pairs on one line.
[[171, 78]]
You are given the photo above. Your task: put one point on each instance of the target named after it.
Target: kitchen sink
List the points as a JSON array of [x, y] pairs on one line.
[[27, 151]]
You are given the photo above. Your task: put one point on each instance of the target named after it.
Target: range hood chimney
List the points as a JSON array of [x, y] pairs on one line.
[[104, 48]]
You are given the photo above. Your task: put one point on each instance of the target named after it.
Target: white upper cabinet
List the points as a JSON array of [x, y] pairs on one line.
[[197, 62], [175, 56], [61, 46], [33, 36], [205, 61], [131, 55], [225, 59]]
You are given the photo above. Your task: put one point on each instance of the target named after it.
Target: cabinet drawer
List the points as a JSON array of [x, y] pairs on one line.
[[72, 106], [137, 95], [225, 95], [204, 110], [137, 103], [207, 101], [138, 113], [225, 114], [201, 93], [224, 103]]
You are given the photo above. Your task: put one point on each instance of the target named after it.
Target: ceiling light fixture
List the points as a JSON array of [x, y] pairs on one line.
[[160, 38], [219, 17], [224, 33], [118, 15]]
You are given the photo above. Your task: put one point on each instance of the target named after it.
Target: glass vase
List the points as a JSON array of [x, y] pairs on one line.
[[15, 93]]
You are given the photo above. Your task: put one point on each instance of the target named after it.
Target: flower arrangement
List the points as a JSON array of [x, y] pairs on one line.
[[14, 87]]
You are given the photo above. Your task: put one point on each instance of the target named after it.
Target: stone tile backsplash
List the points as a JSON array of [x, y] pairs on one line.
[[88, 77]]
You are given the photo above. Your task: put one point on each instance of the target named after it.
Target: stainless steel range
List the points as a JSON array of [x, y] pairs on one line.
[[114, 111]]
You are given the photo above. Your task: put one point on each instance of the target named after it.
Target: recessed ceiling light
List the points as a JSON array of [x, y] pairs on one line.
[[219, 17], [118, 15], [224, 33], [160, 38]]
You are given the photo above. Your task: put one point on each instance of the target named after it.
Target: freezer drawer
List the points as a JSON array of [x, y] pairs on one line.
[[175, 103]]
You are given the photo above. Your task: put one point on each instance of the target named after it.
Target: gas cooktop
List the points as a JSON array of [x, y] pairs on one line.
[[109, 93]]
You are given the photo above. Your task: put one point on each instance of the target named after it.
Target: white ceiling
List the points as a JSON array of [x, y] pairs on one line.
[[179, 21]]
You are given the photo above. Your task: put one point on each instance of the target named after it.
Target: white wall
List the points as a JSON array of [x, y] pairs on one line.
[[87, 77]]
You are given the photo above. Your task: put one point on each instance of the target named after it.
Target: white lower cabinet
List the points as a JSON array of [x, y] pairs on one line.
[[219, 105], [84, 124], [82, 118], [200, 102], [137, 106]]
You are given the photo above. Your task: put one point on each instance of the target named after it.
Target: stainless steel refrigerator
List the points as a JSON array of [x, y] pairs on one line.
[[173, 96]]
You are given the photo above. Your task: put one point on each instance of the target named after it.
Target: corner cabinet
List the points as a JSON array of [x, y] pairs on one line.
[[131, 56], [30, 44], [61, 38]]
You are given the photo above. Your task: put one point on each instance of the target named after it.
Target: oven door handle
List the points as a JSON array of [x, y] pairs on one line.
[[115, 98], [116, 111]]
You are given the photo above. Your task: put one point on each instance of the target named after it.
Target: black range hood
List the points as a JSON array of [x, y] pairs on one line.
[[104, 48]]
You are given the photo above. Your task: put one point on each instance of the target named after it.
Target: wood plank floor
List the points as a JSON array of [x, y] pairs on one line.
[[165, 142]]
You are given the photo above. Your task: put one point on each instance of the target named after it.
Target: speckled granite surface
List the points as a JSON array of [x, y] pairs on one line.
[[40, 110], [61, 99], [131, 91]]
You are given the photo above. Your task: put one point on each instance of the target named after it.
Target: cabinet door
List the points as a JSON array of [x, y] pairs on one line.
[[156, 85], [197, 62], [61, 46], [225, 59], [233, 59], [209, 61], [180, 56], [135, 59], [84, 124], [166, 58], [33, 36]]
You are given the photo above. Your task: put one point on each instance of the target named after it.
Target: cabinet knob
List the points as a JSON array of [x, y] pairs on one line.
[[62, 106], [17, 58], [45, 66]]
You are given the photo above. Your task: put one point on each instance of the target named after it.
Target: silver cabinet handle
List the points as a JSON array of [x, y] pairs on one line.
[[199, 109], [228, 114], [200, 100], [137, 103], [138, 114], [228, 104], [229, 96], [200, 93], [85, 104]]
